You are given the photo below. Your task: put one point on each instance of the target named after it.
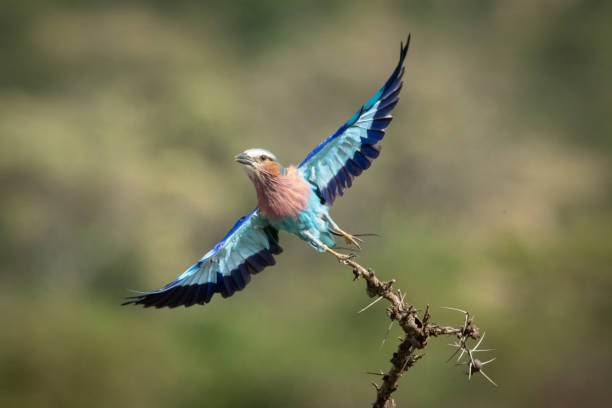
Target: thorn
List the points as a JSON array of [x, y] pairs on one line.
[[488, 361], [375, 373], [461, 354], [376, 386], [382, 343], [479, 341], [453, 308], [371, 304], [459, 348], [404, 366], [487, 377]]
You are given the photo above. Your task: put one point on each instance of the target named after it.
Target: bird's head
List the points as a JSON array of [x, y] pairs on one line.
[[259, 163]]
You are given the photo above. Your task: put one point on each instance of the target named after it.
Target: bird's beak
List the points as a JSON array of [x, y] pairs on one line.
[[243, 158]]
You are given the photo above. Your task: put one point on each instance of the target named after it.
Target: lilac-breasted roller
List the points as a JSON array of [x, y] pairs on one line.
[[293, 199]]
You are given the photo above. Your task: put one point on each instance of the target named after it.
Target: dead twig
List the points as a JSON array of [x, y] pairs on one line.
[[417, 331]]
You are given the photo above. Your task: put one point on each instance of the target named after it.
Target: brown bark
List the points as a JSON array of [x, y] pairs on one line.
[[417, 331]]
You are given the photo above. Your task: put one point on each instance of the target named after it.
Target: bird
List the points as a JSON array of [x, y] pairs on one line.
[[295, 199]]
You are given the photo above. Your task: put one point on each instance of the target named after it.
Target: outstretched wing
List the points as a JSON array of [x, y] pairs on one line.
[[246, 249], [332, 165]]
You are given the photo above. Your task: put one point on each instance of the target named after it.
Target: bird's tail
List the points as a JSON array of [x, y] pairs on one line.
[[365, 234]]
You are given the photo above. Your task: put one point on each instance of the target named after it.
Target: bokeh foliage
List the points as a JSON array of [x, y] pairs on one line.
[[118, 123]]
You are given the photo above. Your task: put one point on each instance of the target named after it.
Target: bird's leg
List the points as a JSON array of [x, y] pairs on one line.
[[338, 255], [318, 244]]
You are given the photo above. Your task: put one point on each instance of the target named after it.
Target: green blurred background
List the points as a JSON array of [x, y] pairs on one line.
[[118, 125]]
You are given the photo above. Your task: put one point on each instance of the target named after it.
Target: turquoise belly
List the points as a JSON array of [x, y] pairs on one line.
[[311, 224]]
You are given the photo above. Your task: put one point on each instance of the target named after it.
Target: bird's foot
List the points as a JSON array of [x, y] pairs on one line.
[[342, 258], [350, 239]]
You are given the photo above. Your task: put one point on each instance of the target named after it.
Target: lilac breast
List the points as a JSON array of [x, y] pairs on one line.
[[284, 195]]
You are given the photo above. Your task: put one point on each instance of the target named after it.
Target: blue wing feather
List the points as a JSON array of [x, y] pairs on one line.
[[331, 166], [246, 249]]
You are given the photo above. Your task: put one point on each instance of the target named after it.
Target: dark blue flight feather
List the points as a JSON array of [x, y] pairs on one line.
[[350, 150]]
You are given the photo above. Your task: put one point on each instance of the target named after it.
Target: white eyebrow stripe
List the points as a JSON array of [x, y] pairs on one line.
[[256, 152]]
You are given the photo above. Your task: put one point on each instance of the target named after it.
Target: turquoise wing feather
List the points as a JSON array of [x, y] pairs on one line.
[[332, 165], [246, 249]]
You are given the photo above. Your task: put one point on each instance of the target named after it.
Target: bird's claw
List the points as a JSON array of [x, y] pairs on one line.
[[342, 258], [352, 240]]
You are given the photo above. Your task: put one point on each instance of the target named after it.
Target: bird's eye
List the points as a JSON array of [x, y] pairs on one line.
[[262, 157]]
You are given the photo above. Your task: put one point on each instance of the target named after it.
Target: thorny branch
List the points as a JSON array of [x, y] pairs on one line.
[[417, 331]]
